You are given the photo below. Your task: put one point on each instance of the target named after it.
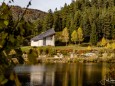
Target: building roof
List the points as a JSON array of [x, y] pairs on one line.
[[44, 35]]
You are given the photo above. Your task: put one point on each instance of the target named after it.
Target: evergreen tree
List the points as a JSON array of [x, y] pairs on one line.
[[57, 21], [93, 35], [65, 35], [85, 22], [48, 21], [38, 27], [64, 13], [107, 26], [72, 25], [77, 18]]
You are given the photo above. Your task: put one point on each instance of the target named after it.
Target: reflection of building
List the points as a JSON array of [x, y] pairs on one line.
[[39, 75], [42, 78]]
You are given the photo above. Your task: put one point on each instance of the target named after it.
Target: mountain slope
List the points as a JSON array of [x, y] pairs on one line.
[[30, 14]]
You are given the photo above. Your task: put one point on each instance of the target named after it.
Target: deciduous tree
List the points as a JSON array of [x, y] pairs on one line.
[[74, 36], [65, 35], [80, 34], [103, 41]]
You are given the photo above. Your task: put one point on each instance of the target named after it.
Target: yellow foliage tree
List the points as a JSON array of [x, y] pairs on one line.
[[74, 36], [103, 42], [113, 45], [108, 46], [89, 47], [65, 35], [80, 34]]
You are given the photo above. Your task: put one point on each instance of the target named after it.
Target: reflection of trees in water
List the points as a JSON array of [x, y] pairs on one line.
[[79, 74], [111, 73]]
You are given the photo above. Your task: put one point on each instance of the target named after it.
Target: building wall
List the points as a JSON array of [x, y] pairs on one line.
[[40, 43], [37, 43], [50, 40]]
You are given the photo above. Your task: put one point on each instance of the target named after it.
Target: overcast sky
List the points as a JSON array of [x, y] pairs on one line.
[[43, 5]]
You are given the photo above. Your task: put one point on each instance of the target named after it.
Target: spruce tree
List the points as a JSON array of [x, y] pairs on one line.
[[107, 26], [64, 14], [93, 35], [48, 21], [57, 21]]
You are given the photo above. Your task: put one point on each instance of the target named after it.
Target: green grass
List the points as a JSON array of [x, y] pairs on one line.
[[26, 48], [74, 47]]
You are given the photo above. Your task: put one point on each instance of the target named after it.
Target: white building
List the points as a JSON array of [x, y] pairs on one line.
[[44, 39]]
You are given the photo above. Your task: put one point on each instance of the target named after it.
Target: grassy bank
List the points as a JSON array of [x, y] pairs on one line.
[[73, 47], [68, 54]]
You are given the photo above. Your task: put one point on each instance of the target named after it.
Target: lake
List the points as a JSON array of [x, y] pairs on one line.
[[60, 74]]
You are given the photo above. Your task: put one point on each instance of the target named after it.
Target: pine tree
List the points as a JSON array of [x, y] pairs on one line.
[[93, 35], [74, 36], [57, 21], [64, 14], [107, 26], [65, 35], [48, 21], [77, 18]]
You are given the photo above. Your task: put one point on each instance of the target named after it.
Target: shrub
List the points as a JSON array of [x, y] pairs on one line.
[[32, 56], [52, 51]]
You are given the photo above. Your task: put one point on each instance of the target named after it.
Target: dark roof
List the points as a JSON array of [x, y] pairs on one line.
[[43, 35]]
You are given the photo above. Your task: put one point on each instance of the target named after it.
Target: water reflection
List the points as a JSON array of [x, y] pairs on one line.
[[79, 74], [39, 75]]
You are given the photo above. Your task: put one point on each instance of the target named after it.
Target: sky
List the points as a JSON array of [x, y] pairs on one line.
[[43, 5]]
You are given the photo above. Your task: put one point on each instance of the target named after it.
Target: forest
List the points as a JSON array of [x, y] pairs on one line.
[[95, 17]]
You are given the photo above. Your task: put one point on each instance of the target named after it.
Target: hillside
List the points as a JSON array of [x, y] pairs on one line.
[[30, 15], [96, 18]]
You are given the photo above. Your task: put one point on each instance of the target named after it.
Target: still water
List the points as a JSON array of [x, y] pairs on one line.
[[74, 74]]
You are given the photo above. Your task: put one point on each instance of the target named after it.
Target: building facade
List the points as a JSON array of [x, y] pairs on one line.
[[45, 39]]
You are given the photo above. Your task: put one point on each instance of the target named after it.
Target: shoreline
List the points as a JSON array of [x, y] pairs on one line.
[[75, 60]]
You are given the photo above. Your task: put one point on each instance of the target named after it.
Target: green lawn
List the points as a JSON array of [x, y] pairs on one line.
[[26, 48], [73, 47]]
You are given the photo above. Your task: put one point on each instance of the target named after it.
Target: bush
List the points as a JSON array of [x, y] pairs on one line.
[[32, 56], [52, 51], [49, 50]]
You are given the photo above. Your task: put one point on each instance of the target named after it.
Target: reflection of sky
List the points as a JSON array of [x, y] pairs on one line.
[[43, 5]]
